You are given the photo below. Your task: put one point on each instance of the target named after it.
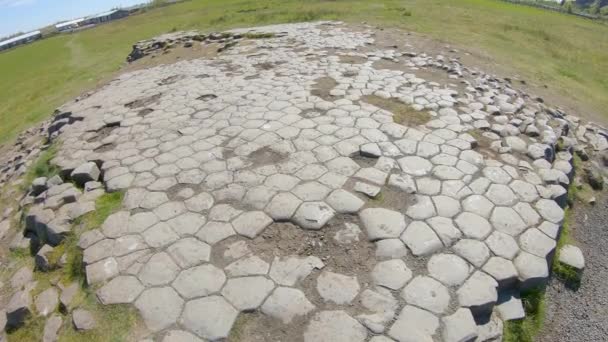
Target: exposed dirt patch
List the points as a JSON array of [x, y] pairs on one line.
[[171, 79], [322, 87], [284, 238], [352, 59], [145, 112], [102, 133], [484, 145], [257, 327], [175, 54], [144, 101], [266, 156], [391, 199], [402, 113]]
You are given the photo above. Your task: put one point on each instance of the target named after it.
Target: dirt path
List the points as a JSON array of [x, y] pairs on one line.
[[583, 315]]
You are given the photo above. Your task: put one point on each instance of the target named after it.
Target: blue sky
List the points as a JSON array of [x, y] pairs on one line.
[[27, 15]]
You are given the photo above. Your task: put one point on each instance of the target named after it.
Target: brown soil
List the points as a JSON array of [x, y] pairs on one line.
[[403, 114], [352, 59], [257, 327], [322, 87], [173, 55]]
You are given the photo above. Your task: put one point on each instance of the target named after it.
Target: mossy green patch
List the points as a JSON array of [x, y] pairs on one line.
[[527, 329], [42, 167]]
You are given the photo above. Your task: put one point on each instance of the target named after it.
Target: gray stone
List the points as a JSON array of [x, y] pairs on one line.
[[187, 224], [249, 266], [160, 235], [478, 293], [533, 271], [427, 293], [449, 269], [46, 302], [502, 270], [251, 223], [390, 249], [501, 194], [475, 252], [313, 215], [380, 223], [337, 288], [459, 326], [289, 270], [572, 256], [86, 172], [214, 232], [159, 270], [283, 206], [446, 206], [349, 234], [344, 202], [382, 306], [22, 277], [367, 189], [51, 329], [392, 274], [101, 271], [189, 252], [414, 325], [415, 166], [503, 245], [68, 293], [422, 209], [200, 202], [120, 290], [445, 229], [83, 320], [536, 242], [286, 303], [334, 326], [479, 205], [473, 225], [507, 220], [247, 293], [199, 281], [421, 239], [160, 307], [403, 182], [370, 150], [509, 307], [550, 211], [18, 309]]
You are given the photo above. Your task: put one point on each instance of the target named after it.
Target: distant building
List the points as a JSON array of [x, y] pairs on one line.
[[105, 17], [69, 25], [22, 39]]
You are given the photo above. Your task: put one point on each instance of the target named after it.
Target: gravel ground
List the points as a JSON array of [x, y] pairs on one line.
[[583, 315]]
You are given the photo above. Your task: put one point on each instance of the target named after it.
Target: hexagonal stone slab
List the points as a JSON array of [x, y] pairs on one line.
[[286, 303], [252, 265], [210, 317], [503, 245], [415, 166], [473, 225], [159, 270], [337, 288], [501, 194], [344, 202], [247, 293], [502, 270], [392, 274], [459, 326], [251, 223], [536, 242], [313, 215], [475, 252], [478, 293], [507, 220], [189, 252], [160, 307], [380, 223], [449, 269], [533, 271], [199, 281], [283, 206], [421, 239], [334, 326], [120, 290], [289, 270], [550, 211], [427, 293], [414, 324]]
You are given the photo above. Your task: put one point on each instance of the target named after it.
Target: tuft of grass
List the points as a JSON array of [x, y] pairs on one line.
[[569, 275], [42, 167], [258, 35], [32, 330], [114, 322], [527, 329], [402, 113], [105, 205]]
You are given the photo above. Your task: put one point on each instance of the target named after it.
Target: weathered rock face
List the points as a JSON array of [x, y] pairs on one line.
[[251, 180]]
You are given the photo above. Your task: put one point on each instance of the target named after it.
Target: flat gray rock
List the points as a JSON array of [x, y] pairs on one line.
[[180, 336], [473, 226], [283, 206], [209, 317], [337, 288], [427, 293], [247, 293], [120, 290], [414, 324], [344, 202], [51, 329], [536, 242], [421, 239], [449, 269], [199, 281], [160, 307], [572, 256], [251, 223], [475, 252], [503, 245], [502, 270], [550, 211], [85, 173], [248, 266], [392, 274], [159, 270], [380, 223], [334, 326], [478, 293], [313, 215], [459, 326], [288, 271], [189, 252], [83, 320], [286, 303], [533, 271]]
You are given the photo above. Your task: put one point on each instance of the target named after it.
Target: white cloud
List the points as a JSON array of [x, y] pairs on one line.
[[16, 3]]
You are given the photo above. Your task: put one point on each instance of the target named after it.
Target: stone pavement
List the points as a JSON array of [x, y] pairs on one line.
[[463, 212]]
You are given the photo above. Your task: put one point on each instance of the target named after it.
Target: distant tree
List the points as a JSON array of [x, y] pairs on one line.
[[568, 7], [594, 8], [604, 10]]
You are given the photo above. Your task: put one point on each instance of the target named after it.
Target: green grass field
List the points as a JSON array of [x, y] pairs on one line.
[[567, 53]]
